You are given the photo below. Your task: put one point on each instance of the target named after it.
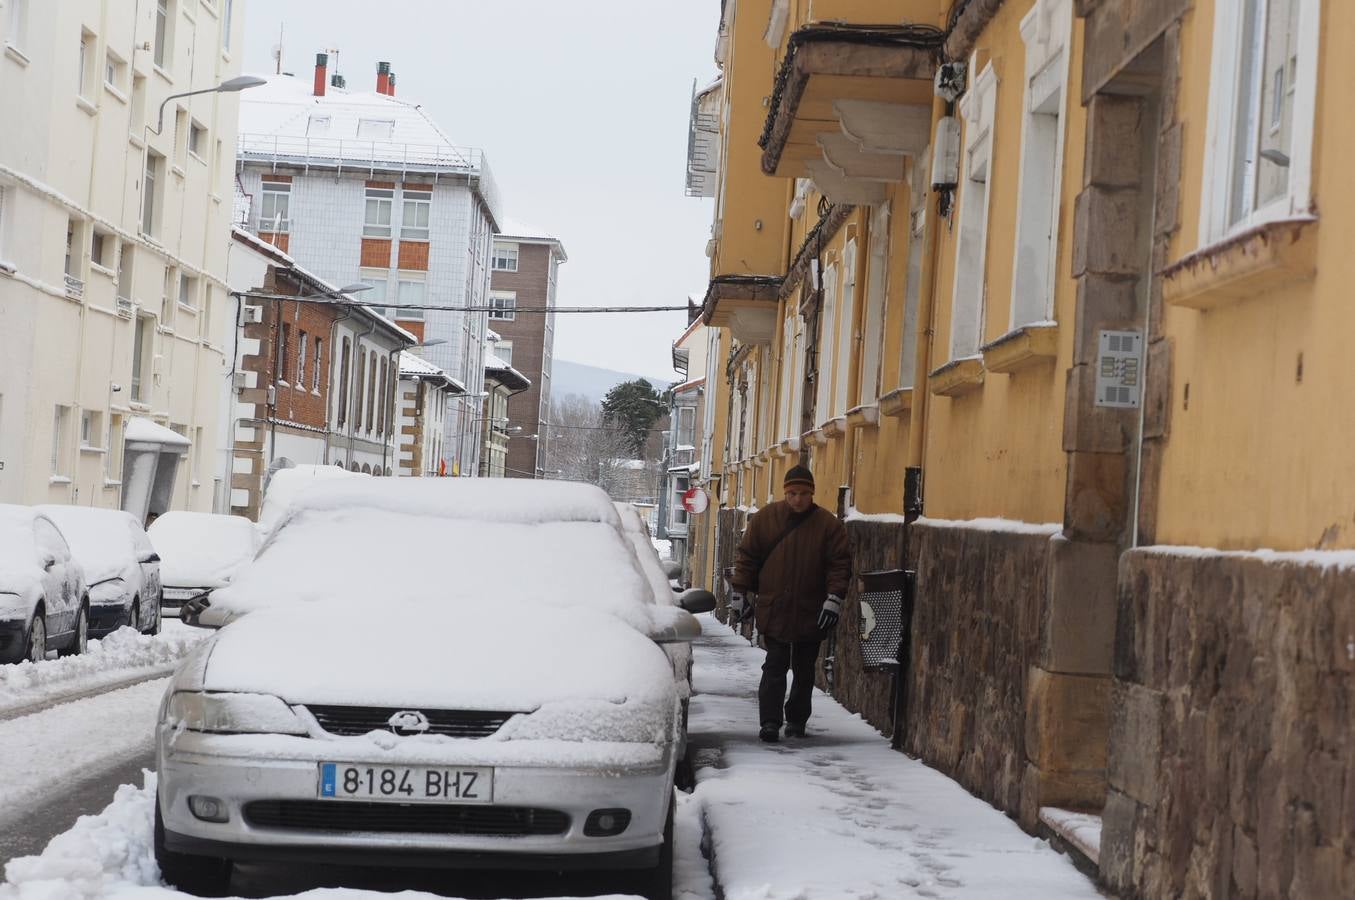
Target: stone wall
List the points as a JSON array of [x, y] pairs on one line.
[[976, 640], [1232, 753]]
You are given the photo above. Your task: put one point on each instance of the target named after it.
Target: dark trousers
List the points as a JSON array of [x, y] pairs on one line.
[[799, 657]]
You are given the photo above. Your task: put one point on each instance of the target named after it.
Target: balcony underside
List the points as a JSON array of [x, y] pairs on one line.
[[852, 106], [745, 304]]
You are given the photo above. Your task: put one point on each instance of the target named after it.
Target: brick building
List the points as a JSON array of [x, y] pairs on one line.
[[359, 186], [525, 269], [290, 398]]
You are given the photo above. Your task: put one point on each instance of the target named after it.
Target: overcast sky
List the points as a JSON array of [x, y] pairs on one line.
[[581, 108]]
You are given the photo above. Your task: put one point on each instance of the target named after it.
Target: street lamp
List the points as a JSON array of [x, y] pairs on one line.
[[233, 86]]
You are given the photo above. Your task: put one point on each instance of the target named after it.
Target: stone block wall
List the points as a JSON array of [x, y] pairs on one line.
[[976, 642], [1232, 751]]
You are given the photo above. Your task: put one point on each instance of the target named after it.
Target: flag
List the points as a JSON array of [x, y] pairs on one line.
[[442, 468]]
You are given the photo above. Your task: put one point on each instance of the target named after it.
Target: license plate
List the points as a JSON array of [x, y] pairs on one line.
[[406, 784]]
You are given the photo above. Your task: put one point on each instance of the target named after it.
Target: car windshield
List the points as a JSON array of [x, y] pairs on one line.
[[374, 556], [202, 549], [16, 542], [98, 539]]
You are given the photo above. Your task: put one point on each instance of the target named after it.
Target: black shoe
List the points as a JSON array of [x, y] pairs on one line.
[[770, 733], [795, 731]]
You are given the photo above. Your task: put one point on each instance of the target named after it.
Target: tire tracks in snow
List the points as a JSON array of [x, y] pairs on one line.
[[113, 684]]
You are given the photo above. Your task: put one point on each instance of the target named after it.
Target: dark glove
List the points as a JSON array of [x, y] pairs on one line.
[[829, 613], [738, 606]]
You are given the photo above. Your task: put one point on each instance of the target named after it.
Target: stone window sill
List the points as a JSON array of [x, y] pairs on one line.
[[86, 106], [957, 377], [861, 416], [1022, 348], [17, 55], [788, 448], [1250, 264], [897, 402], [815, 438]]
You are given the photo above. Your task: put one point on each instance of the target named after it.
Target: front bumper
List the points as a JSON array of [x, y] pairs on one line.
[[104, 620], [13, 638], [172, 599], [196, 765]]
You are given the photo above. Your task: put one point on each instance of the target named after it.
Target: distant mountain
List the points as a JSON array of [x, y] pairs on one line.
[[592, 382]]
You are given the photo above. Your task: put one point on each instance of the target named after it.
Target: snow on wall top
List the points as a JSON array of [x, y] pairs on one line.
[[1014, 526], [143, 430]]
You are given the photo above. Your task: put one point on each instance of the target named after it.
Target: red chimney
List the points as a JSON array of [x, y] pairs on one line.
[[321, 64], [383, 77], [390, 85]]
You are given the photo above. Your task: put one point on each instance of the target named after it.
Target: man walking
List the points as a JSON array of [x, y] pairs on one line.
[[794, 559]]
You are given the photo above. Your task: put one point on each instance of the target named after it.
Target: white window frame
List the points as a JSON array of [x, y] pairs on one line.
[[1046, 31], [877, 298], [415, 202], [792, 377], [912, 288], [846, 332], [86, 87], [971, 246], [501, 347], [162, 49], [509, 257], [505, 305], [384, 200], [154, 175], [187, 295], [302, 350], [366, 127], [827, 344], [401, 298], [61, 426], [273, 194], [1222, 124]]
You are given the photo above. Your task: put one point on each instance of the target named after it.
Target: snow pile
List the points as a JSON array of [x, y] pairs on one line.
[[841, 815], [1012, 526], [202, 549], [118, 655]]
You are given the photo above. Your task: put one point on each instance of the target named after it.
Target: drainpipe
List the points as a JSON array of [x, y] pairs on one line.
[[926, 310]]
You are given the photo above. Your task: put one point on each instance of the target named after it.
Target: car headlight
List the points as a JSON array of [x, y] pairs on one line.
[[226, 713], [630, 721]]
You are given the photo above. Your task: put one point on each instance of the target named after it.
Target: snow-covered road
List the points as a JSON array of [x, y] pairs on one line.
[[837, 816]]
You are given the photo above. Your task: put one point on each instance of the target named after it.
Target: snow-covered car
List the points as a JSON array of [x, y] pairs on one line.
[[482, 685], [43, 601], [199, 552], [122, 569], [284, 486]]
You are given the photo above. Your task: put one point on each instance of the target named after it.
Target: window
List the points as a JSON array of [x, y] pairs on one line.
[[505, 257], [126, 270], [686, 426], [168, 295], [375, 129], [91, 430], [226, 10], [967, 306], [164, 32], [1037, 221], [504, 351], [61, 421], [302, 349], [343, 382], [792, 376], [87, 70], [113, 459], [16, 22], [912, 288], [155, 167], [275, 205], [379, 281], [73, 248], [100, 249], [681, 483], [1261, 114], [381, 420], [280, 368], [877, 272], [828, 317], [371, 390], [142, 339], [318, 124], [414, 218], [197, 139], [188, 291], [504, 305], [315, 366], [846, 333], [357, 393], [115, 71], [377, 218], [410, 293]]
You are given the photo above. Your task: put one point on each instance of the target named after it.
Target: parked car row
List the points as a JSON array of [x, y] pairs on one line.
[[71, 573], [508, 694]]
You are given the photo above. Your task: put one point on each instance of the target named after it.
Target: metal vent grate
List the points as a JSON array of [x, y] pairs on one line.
[[334, 816], [346, 721], [881, 606]]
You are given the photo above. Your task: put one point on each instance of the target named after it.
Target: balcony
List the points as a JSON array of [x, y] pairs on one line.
[[745, 304], [75, 288], [850, 105]]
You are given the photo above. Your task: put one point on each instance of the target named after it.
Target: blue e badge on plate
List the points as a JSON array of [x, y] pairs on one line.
[[328, 778]]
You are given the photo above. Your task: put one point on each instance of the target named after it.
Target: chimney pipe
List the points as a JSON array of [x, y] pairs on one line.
[[390, 85], [321, 64], [383, 77]]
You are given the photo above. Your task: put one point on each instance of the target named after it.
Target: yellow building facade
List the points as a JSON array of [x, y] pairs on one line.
[[1047, 294]]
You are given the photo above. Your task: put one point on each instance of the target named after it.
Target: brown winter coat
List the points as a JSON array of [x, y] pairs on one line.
[[810, 563]]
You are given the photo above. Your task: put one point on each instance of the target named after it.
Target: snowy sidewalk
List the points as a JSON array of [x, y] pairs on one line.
[[839, 814]]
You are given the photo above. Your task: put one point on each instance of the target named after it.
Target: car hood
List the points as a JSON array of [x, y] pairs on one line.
[[492, 655], [20, 587]]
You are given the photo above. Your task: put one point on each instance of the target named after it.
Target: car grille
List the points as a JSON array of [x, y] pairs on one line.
[[338, 816], [355, 720]]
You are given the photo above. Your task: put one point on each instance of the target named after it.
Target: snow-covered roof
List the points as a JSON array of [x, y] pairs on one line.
[[515, 230], [412, 366], [142, 430], [283, 121], [505, 373]]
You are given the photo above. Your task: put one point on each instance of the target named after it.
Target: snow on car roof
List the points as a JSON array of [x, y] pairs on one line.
[[202, 549], [285, 485], [348, 552], [100, 539], [505, 500]]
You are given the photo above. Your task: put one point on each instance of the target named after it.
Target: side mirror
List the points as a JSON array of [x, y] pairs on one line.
[[672, 625], [672, 568], [697, 600], [150, 558], [198, 612]]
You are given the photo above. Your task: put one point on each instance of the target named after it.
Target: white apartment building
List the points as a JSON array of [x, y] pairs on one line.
[[359, 186], [113, 236]]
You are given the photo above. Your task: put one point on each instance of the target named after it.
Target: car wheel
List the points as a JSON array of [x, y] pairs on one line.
[[154, 627], [80, 642], [37, 638], [657, 883], [202, 876], [134, 615]]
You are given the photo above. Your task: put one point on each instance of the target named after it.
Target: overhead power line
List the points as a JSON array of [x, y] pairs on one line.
[[449, 307]]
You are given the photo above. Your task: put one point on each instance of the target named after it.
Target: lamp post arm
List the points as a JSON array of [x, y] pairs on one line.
[[160, 120]]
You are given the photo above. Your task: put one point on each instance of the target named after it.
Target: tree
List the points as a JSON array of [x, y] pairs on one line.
[[634, 407]]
